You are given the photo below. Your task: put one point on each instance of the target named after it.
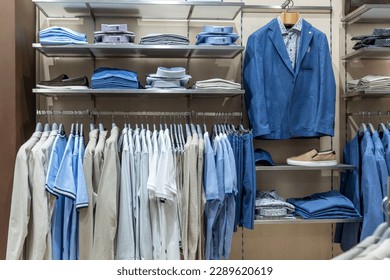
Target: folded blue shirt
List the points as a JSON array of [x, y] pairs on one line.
[[329, 204], [105, 77], [61, 35], [203, 37], [218, 29]]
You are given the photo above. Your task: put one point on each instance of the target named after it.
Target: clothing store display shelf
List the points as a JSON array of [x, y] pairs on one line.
[[135, 50], [163, 10], [138, 92], [278, 9], [299, 220], [340, 167], [368, 53], [369, 13], [367, 94]]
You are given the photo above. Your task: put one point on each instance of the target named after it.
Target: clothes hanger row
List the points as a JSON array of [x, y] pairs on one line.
[[190, 127], [369, 126]]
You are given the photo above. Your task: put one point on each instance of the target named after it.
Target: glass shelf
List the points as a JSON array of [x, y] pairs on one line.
[[374, 13], [172, 10], [135, 50], [137, 92], [368, 53], [304, 168], [299, 220]]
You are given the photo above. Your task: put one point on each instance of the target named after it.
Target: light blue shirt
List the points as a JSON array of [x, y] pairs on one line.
[[65, 186], [291, 38], [386, 145], [56, 156], [379, 152]]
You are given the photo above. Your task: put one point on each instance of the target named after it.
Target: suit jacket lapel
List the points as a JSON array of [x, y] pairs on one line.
[[306, 37], [276, 37]]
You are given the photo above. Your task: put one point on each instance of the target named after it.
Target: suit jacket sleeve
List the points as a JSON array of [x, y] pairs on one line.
[[254, 88], [326, 107]]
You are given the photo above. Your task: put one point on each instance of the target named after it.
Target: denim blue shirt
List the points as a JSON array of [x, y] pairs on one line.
[[386, 145], [347, 234], [370, 187], [379, 152]]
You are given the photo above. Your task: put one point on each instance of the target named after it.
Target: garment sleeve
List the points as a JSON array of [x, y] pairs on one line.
[[327, 99], [255, 99]]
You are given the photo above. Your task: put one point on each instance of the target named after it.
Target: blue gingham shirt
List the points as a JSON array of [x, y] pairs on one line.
[[291, 38]]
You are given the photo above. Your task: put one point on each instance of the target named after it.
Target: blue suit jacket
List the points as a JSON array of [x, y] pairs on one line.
[[283, 102]]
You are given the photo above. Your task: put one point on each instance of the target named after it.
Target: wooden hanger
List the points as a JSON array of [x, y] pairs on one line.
[[289, 19]]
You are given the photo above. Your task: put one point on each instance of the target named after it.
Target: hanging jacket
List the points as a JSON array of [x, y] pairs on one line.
[[283, 102]]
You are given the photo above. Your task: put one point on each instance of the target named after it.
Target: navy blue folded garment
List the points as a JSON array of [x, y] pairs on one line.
[[61, 35], [105, 77], [324, 205]]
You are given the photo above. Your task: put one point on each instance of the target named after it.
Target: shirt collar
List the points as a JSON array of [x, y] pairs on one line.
[[297, 26]]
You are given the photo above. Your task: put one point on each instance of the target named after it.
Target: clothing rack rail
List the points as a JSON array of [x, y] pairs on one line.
[[139, 113], [368, 113]]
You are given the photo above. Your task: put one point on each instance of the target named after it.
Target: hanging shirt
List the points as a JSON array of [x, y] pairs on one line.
[[172, 231], [36, 241], [347, 234], [98, 159], [146, 248], [210, 183], [49, 200], [370, 187], [125, 239], [82, 200], [57, 219], [20, 201], [86, 214], [379, 153], [136, 203], [194, 203], [291, 38], [65, 186], [386, 145], [106, 208]]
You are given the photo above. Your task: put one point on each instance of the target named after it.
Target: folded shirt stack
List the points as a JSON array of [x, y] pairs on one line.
[[380, 37], [369, 82], [164, 39], [217, 83], [217, 35], [64, 82], [172, 78], [114, 34], [269, 205], [326, 205], [114, 78], [61, 36]]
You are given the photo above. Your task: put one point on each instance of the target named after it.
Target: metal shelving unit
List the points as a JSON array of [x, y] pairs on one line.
[[137, 93], [279, 9], [299, 220], [172, 10], [368, 53], [367, 94], [369, 13], [339, 167], [135, 50]]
